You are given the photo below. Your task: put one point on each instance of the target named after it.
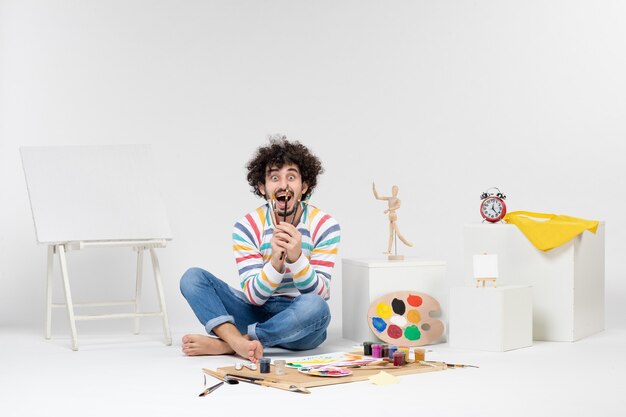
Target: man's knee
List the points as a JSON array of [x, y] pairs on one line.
[[314, 306], [190, 280], [311, 342]]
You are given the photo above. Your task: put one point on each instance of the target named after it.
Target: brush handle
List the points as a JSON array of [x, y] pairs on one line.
[[258, 381], [211, 389], [293, 221]]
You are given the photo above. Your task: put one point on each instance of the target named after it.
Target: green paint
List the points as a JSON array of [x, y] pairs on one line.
[[412, 333]]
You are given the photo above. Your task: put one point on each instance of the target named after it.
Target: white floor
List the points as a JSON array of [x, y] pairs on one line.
[[138, 375]]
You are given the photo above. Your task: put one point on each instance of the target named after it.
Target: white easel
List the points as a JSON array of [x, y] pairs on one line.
[[93, 197]]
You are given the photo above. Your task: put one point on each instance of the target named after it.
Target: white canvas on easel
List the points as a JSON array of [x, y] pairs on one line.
[[485, 269], [97, 196]]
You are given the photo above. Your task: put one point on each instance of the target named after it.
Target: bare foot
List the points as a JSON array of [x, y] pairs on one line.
[[197, 344], [248, 349]]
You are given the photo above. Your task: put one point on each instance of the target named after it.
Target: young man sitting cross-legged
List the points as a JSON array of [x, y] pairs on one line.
[[285, 258]]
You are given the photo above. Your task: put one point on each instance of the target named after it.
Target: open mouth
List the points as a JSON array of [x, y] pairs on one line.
[[283, 199]]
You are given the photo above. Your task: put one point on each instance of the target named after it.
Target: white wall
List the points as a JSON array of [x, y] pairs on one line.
[[443, 98]]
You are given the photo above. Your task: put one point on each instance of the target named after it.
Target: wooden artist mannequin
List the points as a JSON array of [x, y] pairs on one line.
[[393, 205]]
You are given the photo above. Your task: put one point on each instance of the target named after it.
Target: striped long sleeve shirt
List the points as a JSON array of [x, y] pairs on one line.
[[310, 273]]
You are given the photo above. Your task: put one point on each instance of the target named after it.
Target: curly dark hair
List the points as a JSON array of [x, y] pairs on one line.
[[278, 153]]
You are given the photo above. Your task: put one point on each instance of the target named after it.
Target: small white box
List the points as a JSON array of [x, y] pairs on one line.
[[492, 319], [567, 282], [364, 280]]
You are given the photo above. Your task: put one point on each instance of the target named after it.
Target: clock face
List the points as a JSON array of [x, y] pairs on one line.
[[492, 209]]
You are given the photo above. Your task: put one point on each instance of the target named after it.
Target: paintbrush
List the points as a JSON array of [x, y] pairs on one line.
[[269, 383], [458, 365], [368, 367], [448, 365], [273, 209], [282, 255], [274, 215], [286, 202], [300, 205], [258, 381], [211, 389], [295, 217], [427, 364]]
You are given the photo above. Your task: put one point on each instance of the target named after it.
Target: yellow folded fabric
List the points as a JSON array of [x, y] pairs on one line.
[[548, 231]]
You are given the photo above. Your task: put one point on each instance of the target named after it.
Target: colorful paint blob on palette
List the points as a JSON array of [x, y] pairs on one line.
[[331, 371], [407, 318]]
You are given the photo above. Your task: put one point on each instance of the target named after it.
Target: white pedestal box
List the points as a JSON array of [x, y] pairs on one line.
[[493, 319], [364, 280], [567, 282]]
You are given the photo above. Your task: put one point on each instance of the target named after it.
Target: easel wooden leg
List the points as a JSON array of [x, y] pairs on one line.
[[68, 295], [138, 286], [49, 292], [159, 285]]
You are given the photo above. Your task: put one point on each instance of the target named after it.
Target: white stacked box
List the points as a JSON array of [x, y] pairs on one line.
[[492, 319], [567, 282], [364, 280]]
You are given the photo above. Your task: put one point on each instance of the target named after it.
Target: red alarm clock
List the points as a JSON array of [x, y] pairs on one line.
[[492, 206]]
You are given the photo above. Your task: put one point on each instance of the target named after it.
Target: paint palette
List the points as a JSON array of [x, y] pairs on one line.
[[332, 371], [406, 318]]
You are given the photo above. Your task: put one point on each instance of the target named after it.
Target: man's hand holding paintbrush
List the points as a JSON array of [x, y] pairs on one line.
[[286, 241]]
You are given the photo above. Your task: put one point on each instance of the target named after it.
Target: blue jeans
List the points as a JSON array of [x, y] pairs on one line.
[[292, 323]]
